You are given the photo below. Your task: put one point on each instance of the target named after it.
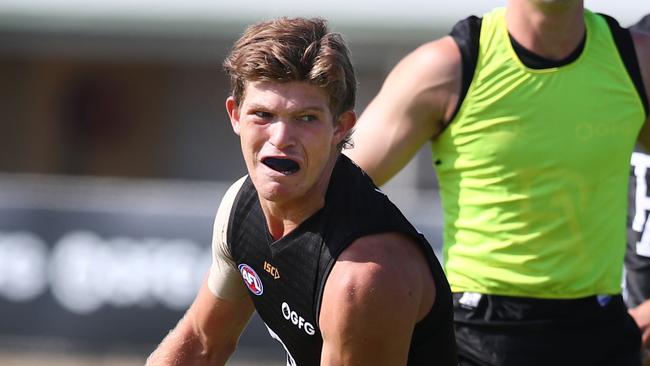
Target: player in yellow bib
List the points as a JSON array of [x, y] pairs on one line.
[[532, 112]]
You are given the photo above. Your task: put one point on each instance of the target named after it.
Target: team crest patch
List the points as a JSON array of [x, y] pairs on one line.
[[251, 279]]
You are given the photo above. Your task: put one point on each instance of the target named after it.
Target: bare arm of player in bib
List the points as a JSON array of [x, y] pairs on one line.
[[418, 96], [209, 331], [379, 288]]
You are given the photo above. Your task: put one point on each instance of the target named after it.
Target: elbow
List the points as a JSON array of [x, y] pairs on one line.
[[213, 350], [218, 355], [183, 346]]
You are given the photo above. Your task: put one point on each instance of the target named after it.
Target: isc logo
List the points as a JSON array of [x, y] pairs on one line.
[[273, 271], [251, 279]]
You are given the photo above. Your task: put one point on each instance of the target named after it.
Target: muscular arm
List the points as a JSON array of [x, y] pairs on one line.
[[379, 288], [642, 47], [207, 334], [417, 97]]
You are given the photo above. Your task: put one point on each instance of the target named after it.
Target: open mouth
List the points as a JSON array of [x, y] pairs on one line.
[[284, 166]]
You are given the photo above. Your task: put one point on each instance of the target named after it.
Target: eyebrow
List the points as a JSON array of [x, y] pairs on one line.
[[297, 110]]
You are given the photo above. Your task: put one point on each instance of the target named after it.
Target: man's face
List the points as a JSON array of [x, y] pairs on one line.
[[288, 139]]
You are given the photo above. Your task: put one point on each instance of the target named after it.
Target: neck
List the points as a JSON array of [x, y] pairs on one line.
[[551, 29], [281, 220], [283, 217]]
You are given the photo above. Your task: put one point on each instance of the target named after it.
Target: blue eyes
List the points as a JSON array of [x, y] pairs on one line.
[[308, 118], [262, 114]]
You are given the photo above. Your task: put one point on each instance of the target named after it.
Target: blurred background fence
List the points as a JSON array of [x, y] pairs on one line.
[[115, 150]]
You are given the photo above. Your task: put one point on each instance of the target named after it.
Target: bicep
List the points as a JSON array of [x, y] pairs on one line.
[[209, 330], [371, 303], [207, 333], [219, 322], [408, 110], [223, 280], [222, 308], [363, 331]]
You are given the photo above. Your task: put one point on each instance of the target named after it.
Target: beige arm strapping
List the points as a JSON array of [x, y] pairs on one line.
[[224, 280]]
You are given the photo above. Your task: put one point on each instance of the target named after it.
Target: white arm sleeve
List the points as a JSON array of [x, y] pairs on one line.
[[224, 279]]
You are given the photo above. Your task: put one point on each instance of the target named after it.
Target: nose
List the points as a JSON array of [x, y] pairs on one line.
[[280, 134]]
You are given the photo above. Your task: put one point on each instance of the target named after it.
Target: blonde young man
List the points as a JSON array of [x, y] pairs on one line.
[[335, 271], [532, 111]]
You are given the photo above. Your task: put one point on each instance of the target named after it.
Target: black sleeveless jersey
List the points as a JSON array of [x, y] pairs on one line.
[[286, 277]]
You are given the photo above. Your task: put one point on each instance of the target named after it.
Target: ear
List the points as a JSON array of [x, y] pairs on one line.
[[233, 113], [344, 125]]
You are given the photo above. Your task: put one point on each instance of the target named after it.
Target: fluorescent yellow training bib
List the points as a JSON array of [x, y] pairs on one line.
[[533, 170]]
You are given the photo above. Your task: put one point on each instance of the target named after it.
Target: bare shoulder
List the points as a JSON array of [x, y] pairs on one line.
[[436, 65], [413, 104], [429, 80], [383, 270], [391, 251], [441, 52], [441, 55], [379, 288]]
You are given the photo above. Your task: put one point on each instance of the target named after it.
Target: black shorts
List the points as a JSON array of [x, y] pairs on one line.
[[504, 331]]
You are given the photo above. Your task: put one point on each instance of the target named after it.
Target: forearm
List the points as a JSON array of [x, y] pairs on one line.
[[176, 350], [183, 346]]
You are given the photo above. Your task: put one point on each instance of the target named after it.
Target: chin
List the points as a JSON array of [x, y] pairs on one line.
[[276, 195], [556, 3], [272, 190]]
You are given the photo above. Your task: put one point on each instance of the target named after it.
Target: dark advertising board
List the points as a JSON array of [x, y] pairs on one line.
[[103, 263]]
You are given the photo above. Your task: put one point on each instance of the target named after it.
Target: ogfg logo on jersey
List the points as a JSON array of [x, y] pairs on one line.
[[251, 279], [297, 320]]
